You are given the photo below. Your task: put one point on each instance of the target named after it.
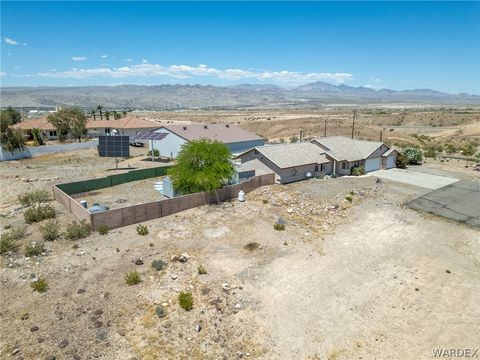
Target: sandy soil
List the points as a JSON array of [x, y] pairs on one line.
[[366, 279]]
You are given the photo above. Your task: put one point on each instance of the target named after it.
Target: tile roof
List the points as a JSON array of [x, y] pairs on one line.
[[38, 123], [222, 132], [343, 148], [128, 122], [294, 154]]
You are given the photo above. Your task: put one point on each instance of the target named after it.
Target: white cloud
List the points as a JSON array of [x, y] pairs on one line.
[[79, 58], [128, 60], [104, 56], [144, 61], [185, 72], [11, 41], [3, 73], [24, 44]]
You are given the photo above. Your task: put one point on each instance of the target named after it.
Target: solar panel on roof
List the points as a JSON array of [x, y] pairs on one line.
[[151, 136]]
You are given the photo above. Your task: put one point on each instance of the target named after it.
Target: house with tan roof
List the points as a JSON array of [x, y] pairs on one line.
[[47, 130], [128, 126], [349, 153], [169, 139]]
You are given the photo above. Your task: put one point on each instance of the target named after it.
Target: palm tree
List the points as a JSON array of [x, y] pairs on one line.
[[107, 115], [124, 112], [100, 109], [94, 114]]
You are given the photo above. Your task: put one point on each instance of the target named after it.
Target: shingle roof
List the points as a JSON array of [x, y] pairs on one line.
[[254, 164], [128, 122], [389, 151], [39, 123], [222, 132], [295, 154], [343, 148]]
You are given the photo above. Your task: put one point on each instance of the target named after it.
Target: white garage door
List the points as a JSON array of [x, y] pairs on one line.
[[373, 164], [390, 162]]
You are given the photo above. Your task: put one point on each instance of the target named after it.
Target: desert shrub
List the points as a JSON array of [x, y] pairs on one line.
[[39, 213], [160, 311], [40, 285], [334, 176], [158, 265], [352, 192], [358, 170], [430, 153], [78, 230], [185, 299], [37, 137], [34, 197], [156, 153], [8, 226], [413, 156], [8, 240], [50, 230], [401, 161], [451, 149], [34, 248], [349, 198], [279, 224], [265, 201], [103, 229], [133, 278], [142, 230], [202, 270], [293, 138]]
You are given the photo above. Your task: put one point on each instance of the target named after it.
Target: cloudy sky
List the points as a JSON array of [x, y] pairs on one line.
[[393, 45]]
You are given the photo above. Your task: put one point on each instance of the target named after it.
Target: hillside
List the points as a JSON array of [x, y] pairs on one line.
[[158, 97]]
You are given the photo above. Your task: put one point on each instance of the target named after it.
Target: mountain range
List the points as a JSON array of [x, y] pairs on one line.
[[158, 97]]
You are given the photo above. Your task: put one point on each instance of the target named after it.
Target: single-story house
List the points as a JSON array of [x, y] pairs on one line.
[[169, 139], [350, 153], [128, 126], [290, 162], [47, 130], [389, 158]]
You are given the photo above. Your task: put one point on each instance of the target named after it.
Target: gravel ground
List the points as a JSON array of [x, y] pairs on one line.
[[344, 280]]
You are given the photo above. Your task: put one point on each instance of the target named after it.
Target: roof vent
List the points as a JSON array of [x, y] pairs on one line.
[[228, 125], [184, 128], [205, 126]]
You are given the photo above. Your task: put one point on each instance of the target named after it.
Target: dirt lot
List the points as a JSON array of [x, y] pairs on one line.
[[367, 279]]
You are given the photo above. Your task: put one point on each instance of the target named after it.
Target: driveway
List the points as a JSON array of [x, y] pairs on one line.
[[420, 179], [51, 149]]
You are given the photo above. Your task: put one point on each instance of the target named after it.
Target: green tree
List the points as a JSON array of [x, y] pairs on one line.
[[37, 137], [100, 110], [69, 121], [12, 139], [107, 115], [94, 114], [468, 151], [9, 117], [202, 165], [124, 113]]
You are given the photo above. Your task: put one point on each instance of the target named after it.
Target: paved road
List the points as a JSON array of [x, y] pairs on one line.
[[415, 178], [459, 201], [51, 149]]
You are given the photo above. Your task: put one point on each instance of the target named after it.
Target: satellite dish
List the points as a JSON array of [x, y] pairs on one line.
[[308, 174], [114, 132]]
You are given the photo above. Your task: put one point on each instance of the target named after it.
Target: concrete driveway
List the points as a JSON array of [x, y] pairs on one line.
[[416, 178], [51, 149]]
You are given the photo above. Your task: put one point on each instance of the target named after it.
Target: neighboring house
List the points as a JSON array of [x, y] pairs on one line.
[[47, 130], [349, 153], [128, 126], [169, 139], [290, 162]]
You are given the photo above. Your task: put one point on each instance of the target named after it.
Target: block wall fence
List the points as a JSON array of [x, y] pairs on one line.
[[134, 214]]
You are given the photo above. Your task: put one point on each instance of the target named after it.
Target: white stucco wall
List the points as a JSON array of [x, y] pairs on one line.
[[168, 146]]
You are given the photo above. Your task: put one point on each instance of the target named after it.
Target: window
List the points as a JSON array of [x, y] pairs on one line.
[[344, 165], [52, 133], [316, 167], [107, 131], [322, 167]]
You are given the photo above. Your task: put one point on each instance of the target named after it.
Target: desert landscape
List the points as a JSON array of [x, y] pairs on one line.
[[324, 288]]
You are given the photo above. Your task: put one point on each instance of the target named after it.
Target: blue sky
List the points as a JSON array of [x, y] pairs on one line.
[[398, 45]]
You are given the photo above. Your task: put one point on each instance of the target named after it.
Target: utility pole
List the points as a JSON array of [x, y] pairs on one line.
[[325, 130], [381, 135], [353, 123]]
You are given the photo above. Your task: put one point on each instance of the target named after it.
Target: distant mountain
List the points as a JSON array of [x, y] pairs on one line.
[[157, 97]]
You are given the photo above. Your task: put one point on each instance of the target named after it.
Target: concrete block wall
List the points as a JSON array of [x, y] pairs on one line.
[[143, 212]]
